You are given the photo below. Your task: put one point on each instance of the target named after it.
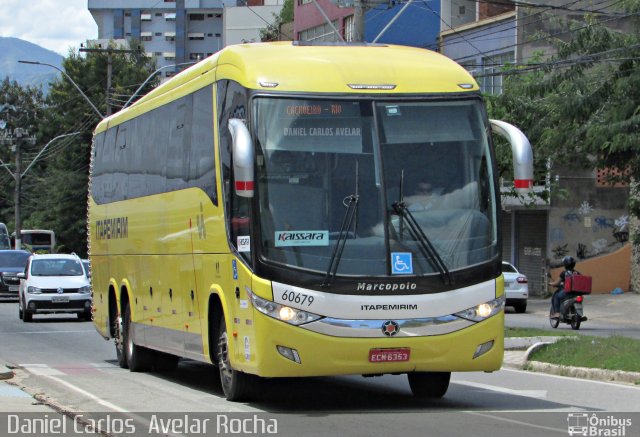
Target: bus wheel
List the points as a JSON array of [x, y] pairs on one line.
[[237, 386], [432, 385], [119, 340], [138, 358]]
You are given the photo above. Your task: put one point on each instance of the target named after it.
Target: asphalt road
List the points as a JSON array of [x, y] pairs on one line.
[[69, 365]]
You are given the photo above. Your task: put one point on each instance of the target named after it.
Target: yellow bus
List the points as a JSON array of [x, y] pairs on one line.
[[293, 210]]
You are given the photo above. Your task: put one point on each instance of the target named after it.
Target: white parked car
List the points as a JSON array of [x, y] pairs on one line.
[[54, 284], [516, 287]]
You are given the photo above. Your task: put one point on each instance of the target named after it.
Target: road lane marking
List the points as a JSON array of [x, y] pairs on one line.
[[91, 396], [41, 369], [48, 332], [538, 394]]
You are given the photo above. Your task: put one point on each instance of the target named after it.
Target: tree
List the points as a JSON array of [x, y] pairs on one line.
[[272, 31], [63, 186], [581, 107]]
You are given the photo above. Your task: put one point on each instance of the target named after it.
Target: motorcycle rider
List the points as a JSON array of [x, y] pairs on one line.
[[560, 294]]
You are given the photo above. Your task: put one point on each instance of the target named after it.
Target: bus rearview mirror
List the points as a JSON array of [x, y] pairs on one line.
[[242, 158]]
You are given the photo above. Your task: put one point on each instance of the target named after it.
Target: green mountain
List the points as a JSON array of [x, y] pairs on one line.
[[14, 49]]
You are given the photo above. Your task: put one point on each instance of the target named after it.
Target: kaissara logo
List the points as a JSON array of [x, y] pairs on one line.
[[301, 238]]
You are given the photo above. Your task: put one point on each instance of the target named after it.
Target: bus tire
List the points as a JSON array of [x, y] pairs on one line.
[[138, 358], [237, 386], [429, 385], [119, 342]]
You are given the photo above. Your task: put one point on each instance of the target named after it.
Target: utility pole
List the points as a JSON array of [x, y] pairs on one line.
[[358, 20], [16, 193], [15, 139], [109, 51]]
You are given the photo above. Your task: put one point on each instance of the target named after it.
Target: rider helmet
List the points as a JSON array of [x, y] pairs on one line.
[[568, 262]]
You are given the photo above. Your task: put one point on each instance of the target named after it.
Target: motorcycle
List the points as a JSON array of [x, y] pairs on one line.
[[571, 312]]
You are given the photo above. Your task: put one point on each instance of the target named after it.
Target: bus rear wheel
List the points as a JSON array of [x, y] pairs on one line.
[[237, 386], [139, 359], [119, 341], [429, 385]]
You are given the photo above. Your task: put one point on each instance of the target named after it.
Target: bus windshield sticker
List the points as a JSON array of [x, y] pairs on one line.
[[244, 243], [401, 263], [301, 238]]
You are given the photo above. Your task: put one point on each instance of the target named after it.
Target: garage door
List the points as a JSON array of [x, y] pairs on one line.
[[531, 241]]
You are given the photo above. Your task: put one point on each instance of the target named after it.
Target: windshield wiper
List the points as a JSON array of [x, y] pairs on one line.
[[427, 248], [351, 203]]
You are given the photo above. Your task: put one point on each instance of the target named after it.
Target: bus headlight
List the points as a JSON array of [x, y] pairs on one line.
[[281, 312], [483, 311]]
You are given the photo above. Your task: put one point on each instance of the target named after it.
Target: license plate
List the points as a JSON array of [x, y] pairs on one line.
[[60, 299], [13, 288], [389, 355]]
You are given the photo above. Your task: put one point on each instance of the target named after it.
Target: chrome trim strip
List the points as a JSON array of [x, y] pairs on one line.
[[373, 328]]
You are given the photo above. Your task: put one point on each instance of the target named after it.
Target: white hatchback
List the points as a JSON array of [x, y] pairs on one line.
[[516, 287], [54, 284]]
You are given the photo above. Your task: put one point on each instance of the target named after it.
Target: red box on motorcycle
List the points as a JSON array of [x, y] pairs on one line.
[[577, 284]]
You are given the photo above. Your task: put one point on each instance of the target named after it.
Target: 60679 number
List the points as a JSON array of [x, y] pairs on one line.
[[298, 298]]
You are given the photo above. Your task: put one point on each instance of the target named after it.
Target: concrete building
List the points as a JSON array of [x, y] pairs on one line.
[[182, 31]]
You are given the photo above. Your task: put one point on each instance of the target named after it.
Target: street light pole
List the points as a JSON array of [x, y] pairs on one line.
[[70, 80], [149, 78], [16, 198], [44, 148]]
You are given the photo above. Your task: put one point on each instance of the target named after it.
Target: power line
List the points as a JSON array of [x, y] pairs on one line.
[[481, 31], [554, 35]]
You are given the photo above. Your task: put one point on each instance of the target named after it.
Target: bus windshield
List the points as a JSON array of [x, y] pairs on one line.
[[408, 182]]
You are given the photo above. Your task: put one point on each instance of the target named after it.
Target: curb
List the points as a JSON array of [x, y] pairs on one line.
[[584, 372], [576, 372], [5, 373]]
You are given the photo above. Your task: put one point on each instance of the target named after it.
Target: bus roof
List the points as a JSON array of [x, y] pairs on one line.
[[329, 68]]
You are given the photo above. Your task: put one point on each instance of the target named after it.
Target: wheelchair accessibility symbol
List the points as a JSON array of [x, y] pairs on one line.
[[401, 263]]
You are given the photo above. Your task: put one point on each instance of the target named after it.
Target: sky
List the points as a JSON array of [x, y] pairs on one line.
[[53, 24]]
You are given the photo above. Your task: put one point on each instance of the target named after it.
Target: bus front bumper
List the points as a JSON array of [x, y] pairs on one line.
[[283, 350]]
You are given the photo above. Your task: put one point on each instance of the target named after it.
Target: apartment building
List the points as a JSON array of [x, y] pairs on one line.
[[177, 32]]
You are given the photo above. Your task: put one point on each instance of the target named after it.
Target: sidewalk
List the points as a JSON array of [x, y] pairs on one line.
[[14, 400]]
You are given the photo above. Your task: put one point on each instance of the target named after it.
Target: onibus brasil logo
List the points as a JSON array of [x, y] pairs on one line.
[[586, 424]]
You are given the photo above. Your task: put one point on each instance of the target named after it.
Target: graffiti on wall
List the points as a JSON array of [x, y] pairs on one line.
[[585, 209], [584, 232], [560, 251]]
